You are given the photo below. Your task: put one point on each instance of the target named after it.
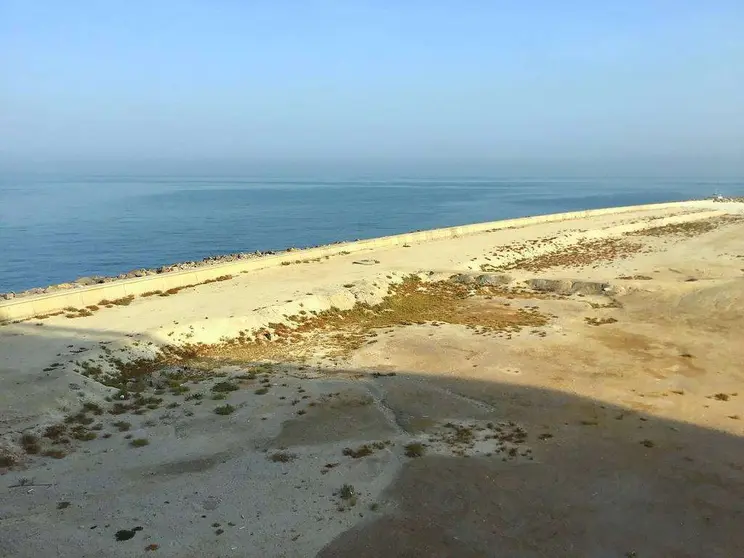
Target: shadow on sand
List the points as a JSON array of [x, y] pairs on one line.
[[604, 481]]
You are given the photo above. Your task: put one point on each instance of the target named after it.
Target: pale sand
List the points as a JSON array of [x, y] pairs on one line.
[[632, 426]]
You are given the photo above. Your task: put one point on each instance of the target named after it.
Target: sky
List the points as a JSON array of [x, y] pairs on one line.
[[623, 81]]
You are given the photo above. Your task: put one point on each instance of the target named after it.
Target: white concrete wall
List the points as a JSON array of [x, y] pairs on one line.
[[27, 307]]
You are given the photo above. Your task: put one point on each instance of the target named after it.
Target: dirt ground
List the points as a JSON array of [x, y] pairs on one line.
[[590, 403]]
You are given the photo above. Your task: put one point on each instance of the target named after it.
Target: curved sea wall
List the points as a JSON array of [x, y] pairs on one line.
[[41, 304]]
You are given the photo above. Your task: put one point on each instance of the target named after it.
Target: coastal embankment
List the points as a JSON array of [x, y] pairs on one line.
[[89, 291]]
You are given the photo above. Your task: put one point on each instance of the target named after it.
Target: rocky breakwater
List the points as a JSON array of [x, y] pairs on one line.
[[727, 199]]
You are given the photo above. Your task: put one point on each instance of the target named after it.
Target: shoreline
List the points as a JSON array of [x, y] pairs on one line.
[[46, 300], [219, 259]]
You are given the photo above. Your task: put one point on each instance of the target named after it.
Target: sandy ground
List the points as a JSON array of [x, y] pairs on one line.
[[568, 389]]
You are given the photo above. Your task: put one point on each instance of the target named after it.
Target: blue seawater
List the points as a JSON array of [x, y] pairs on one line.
[[56, 228]]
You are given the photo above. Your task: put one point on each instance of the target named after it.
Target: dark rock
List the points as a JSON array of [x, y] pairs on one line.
[[60, 287], [493, 279], [589, 288], [463, 278], [566, 286], [85, 281]]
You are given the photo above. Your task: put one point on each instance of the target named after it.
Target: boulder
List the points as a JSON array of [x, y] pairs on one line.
[[85, 281], [462, 278], [567, 286], [493, 279]]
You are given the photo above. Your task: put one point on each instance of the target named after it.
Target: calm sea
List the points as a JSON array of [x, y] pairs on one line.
[[55, 229]]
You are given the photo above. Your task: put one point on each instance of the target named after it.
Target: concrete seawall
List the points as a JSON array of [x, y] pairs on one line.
[[27, 307]]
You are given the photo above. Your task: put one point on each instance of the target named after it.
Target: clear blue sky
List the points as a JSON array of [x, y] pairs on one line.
[[187, 79]]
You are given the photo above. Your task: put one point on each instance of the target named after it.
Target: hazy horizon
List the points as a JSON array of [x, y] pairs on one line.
[[381, 168], [637, 88]]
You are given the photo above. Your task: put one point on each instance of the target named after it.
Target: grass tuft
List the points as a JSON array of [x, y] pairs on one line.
[[225, 386], [122, 426], [282, 457], [347, 492], [415, 449]]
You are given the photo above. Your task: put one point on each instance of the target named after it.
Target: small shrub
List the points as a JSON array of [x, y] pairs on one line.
[[219, 396], [363, 451], [30, 443], [262, 391], [80, 418], [415, 449], [347, 492], [172, 405], [224, 387], [123, 426], [55, 431], [7, 460], [225, 410], [84, 435], [94, 408], [139, 442], [151, 293], [192, 396], [282, 457]]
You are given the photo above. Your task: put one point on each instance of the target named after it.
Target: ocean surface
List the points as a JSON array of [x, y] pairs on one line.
[[58, 228]]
